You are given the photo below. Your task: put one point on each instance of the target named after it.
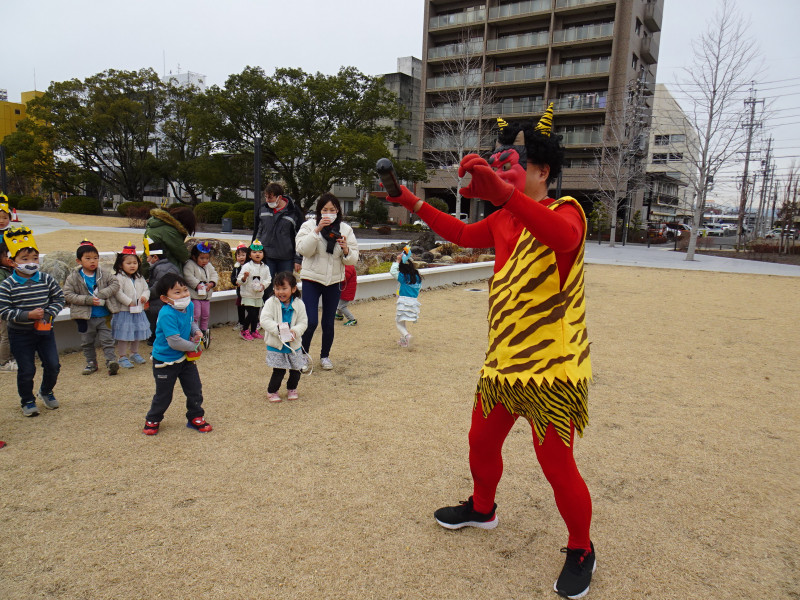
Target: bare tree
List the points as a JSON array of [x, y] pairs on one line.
[[724, 62], [461, 110], [620, 158], [788, 210]]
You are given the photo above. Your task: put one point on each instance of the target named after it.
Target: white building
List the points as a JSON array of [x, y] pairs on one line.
[[670, 170]]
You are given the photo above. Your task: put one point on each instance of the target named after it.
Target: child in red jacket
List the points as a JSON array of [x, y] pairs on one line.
[[348, 295]]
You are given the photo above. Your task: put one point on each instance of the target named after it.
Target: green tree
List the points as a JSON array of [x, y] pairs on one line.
[[314, 129], [105, 126]]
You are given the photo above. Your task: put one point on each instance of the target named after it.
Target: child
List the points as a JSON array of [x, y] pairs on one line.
[[86, 290], [5, 214], [407, 304], [159, 266], [348, 295], [176, 334], [202, 278], [129, 325], [284, 320], [253, 279], [242, 256], [29, 301], [7, 362]]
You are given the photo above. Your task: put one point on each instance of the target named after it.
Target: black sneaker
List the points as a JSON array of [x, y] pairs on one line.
[[464, 515], [577, 573]]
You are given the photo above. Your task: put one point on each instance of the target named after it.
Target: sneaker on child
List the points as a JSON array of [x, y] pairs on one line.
[[125, 363], [326, 363], [10, 366], [338, 316], [89, 368], [465, 515], [292, 395], [48, 399], [30, 409], [200, 424], [245, 335], [273, 397], [577, 573], [256, 335], [150, 427], [350, 323], [137, 358]]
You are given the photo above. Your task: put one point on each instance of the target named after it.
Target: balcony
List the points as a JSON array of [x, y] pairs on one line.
[[514, 107], [461, 49], [585, 32], [516, 42], [533, 73], [453, 81], [653, 14], [576, 103], [461, 18], [649, 50], [466, 143], [520, 9], [453, 111], [582, 137], [584, 67], [576, 3]]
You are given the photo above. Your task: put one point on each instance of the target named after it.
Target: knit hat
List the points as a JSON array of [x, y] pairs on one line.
[[18, 238]]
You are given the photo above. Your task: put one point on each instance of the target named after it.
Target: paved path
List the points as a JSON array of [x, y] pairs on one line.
[[631, 255]]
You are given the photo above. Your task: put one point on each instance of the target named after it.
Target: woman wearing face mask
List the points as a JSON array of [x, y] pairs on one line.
[[278, 223], [326, 244]]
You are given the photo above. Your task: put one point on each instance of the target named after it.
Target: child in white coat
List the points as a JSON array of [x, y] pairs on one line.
[[253, 279], [284, 321], [130, 325]]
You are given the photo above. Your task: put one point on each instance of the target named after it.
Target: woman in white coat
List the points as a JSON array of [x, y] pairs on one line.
[[326, 244]]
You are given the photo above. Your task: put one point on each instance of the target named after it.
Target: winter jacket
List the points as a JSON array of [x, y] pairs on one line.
[[130, 290], [157, 271], [79, 297], [247, 288], [318, 265], [165, 229], [277, 231], [194, 274], [271, 315], [350, 284]]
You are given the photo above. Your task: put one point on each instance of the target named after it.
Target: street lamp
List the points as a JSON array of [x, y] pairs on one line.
[[256, 181]]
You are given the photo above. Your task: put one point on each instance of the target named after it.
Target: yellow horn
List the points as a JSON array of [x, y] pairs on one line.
[[501, 123], [545, 124]]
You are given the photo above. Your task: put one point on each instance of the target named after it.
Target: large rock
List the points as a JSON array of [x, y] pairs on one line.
[[425, 240], [56, 267]]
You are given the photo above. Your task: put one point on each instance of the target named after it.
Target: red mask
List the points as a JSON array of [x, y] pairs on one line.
[[506, 164]]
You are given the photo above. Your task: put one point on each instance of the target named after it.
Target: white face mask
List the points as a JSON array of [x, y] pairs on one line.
[[29, 268], [272, 204], [182, 303]]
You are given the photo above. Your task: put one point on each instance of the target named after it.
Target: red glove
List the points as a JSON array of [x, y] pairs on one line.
[[485, 184], [406, 199]]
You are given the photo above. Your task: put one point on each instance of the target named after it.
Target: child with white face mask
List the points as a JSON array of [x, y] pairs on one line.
[[175, 350]]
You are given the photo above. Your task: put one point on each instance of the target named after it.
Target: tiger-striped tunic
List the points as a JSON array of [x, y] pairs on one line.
[[537, 364]]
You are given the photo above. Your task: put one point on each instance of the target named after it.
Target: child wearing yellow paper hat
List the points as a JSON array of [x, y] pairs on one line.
[[29, 301], [5, 214], [7, 362]]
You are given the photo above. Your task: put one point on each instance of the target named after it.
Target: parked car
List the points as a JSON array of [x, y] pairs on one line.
[[711, 230], [460, 216], [677, 230], [778, 232]]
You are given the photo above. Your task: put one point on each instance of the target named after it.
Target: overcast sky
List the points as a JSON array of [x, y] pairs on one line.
[[65, 39]]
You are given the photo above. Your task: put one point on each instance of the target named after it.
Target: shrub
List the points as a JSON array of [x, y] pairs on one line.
[[81, 205], [211, 212], [242, 206], [384, 230], [108, 204], [29, 203], [438, 204], [138, 215], [464, 259], [449, 249], [411, 227], [124, 207], [13, 200], [247, 219], [235, 217], [228, 195]]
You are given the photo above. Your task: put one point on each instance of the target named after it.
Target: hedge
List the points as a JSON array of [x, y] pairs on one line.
[[124, 207], [235, 217], [81, 205], [211, 212], [29, 203], [243, 206]]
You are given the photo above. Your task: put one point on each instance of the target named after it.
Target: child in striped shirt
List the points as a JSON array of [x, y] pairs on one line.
[[29, 301]]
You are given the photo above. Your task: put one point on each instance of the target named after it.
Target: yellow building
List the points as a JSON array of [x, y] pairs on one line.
[[13, 112]]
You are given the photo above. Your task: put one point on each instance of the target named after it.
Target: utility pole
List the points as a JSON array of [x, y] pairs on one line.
[[751, 101], [764, 184], [774, 193]]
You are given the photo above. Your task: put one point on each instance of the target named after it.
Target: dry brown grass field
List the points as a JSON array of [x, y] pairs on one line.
[[691, 457]]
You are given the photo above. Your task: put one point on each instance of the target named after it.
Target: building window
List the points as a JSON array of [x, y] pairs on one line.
[[662, 140], [16, 111], [666, 140], [675, 156], [677, 137], [634, 62], [638, 26], [660, 159]]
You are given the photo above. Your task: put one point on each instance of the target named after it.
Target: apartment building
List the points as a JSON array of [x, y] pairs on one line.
[[484, 59], [670, 171], [12, 113]]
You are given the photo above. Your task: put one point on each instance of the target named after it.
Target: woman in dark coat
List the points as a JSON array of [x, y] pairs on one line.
[[170, 228]]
